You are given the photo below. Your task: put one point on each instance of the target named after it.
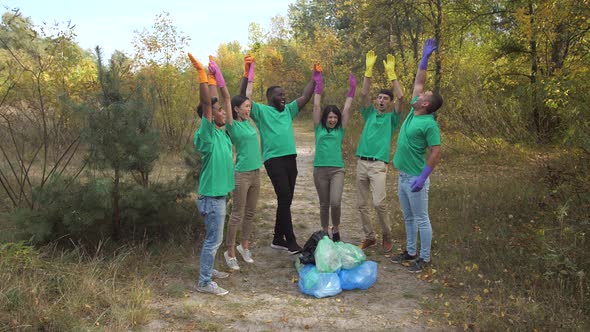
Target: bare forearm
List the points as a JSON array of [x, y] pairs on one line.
[[205, 100], [434, 157], [346, 111], [419, 82], [317, 98], [399, 95], [244, 86], [365, 99], [307, 94]]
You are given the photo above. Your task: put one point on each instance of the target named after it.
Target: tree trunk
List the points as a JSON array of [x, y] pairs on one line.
[[116, 213], [438, 37]]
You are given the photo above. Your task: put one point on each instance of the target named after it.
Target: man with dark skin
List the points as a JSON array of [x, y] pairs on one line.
[[275, 124]]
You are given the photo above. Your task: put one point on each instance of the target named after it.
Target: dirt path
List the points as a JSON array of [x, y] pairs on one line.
[[264, 296]]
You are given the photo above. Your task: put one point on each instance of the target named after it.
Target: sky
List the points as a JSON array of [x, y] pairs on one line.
[[111, 23]]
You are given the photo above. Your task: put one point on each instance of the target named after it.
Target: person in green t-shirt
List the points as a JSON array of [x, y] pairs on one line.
[[216, 179], [374, 149], [247, 168], [275, 124], [418, 135], [328, 171]]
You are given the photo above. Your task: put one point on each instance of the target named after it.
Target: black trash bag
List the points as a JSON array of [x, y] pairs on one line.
[[307, 256]]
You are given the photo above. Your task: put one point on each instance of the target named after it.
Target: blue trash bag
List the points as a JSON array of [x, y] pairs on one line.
[[361, 277], [318, 284]]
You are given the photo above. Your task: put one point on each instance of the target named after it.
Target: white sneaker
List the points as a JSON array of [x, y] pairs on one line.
[[219, 274], [246, 254], [232, 262], [212, 288]]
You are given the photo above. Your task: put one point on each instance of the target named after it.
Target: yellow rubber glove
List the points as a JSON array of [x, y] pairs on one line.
[[199, 67], [389, 66], [370, 62]]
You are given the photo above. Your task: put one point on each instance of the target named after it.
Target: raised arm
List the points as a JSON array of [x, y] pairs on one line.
[[429, 47], [317, 97], [389, 66], [248, 59], [213, 93], [216, 72], [204, 97], [307, 94], [349, 98], [369, 62], [250, 84]]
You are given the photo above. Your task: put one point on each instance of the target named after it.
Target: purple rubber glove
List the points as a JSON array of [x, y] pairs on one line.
[[251, 72], [352, 85], [418, 183], [317, 77], [214, 69], [429, 47]]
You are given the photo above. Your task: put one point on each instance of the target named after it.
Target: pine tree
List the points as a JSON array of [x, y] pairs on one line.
[[119, 134]]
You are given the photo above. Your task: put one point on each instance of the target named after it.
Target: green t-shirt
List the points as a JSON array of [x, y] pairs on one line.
[[415, 136], [276, 129], [328, 146], [377, 133], [217, 173], [245, 138]]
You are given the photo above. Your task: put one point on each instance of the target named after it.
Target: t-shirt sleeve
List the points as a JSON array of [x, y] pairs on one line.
[[293, 109], [365, 111], [433, 135], [255, 111], [203, 136]]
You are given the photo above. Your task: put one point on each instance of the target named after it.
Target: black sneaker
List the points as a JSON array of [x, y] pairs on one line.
[[294, 248], [418, 266], [403, 257], [336, 236], [279, 244]]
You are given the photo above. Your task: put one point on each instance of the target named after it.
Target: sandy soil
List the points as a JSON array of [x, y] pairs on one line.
[[264, 296]]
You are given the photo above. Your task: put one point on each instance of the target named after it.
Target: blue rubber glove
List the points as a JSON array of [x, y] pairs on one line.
[[418, 183], [429, 47]]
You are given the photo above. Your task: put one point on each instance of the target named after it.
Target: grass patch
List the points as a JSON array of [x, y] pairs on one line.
[[509, 237]]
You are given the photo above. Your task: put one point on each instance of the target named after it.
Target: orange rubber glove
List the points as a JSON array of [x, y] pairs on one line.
[[200, 69], [248, 59]]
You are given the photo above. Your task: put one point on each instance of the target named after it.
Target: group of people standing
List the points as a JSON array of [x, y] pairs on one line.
[[231, 122]]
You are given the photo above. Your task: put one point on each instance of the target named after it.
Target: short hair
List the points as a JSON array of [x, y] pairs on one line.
[[436, 101], [214, 101], [387, 92], [331, 109], [237, 101], [270, 90]]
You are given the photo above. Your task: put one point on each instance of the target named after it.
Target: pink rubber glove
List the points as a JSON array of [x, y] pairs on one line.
[[251, 72], [214, 69], [317, 77], [351, 85]]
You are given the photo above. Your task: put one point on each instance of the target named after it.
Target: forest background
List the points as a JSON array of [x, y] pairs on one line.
[[80, 137]]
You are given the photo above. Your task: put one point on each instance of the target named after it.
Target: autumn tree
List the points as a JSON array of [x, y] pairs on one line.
[[160, 57], [39, 65]]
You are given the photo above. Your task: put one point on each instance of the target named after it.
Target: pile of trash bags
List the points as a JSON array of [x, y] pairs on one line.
[[333, 267]]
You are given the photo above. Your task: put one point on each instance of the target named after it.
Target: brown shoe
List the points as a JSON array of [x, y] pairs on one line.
[[387, 245], [367, 243]]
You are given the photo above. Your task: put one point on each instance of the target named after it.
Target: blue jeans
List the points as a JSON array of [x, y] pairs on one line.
[[213, 211], [415, 209]]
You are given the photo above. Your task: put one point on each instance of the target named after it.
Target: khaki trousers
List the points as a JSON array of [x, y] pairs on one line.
[[370, 183]]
